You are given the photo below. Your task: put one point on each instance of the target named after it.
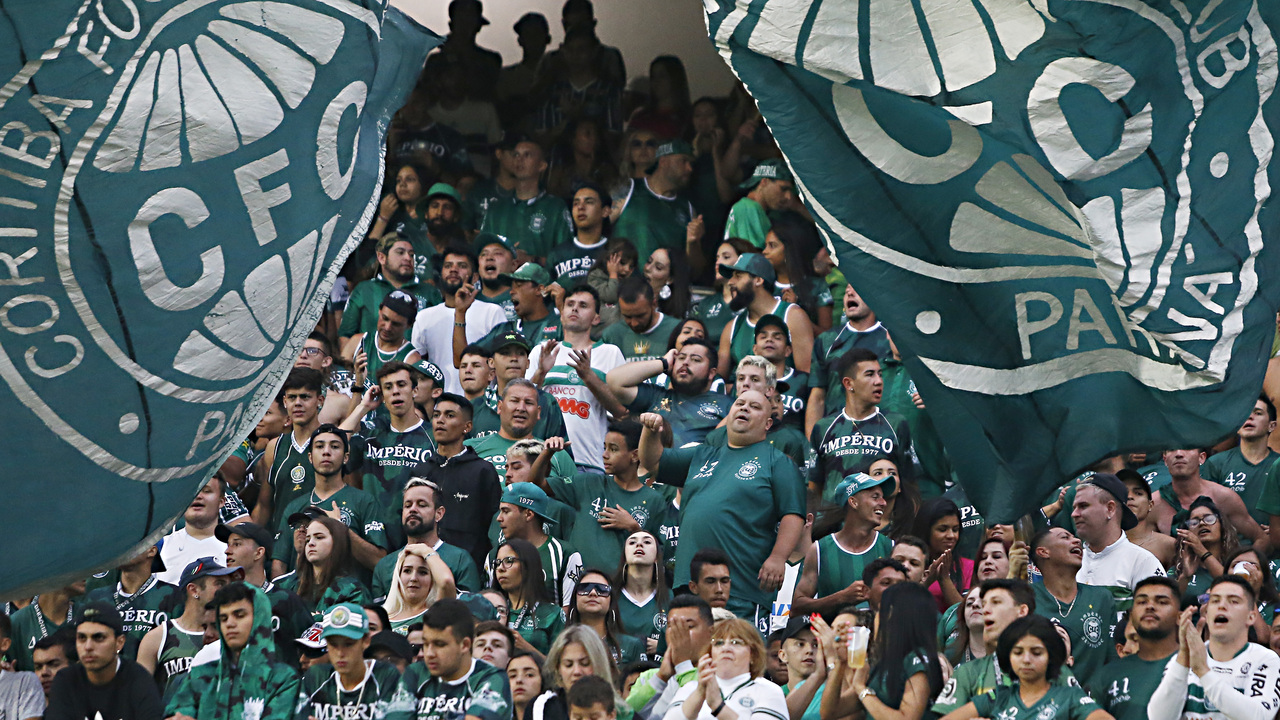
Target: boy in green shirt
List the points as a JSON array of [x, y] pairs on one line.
[[448, 684]]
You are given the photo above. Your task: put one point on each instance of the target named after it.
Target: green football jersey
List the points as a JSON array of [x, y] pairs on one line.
[[142, 610], [1124, 686], [742, 332], [540, 625], [978, 677], [173, 661], [749, 221], [535, 225], [912, 664], [570, 262], [322, 694], [1230, 468], [644, 617], [465, 574], [30, 625], [483, 693], [714, 313], [733, 498], [651, 221], [504, 300], [647, 345], [787, 438], [291, 475], [840, 567], [361, 313], [590, 493], [479, 198], [972, 524], [830, 346], [843, 446], [359, 512], [388, 456], [795, 398], [485, 420], [1059, 703], [376, 357], [896, 399], [1089, 620], [691, 417]]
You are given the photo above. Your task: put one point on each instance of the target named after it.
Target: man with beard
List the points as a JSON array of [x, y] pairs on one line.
[[570, 262], [1085, 611], [751, 281], [850, 440], [421, 512], [368, 352], [1124, 687], [690, 407], [655, 213], [470, 320], [644, 329], [746, 496], [531, 219], [860, 329], [573, 373], [469, 486], [396, 271], [508, 360], [497, 261], [1174, 500], [536, 319], [1244, 468], [443, 212]]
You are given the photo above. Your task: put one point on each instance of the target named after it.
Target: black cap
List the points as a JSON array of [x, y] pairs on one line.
[[103, 613], [795, 625], [401, 303], [1127, 474], [772, 320], [508, 339], [397, 644], [256, 533], [306, 514], [1112, 484]]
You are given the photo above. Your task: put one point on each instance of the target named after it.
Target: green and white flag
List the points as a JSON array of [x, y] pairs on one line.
[[1059, 209], [179, 182]]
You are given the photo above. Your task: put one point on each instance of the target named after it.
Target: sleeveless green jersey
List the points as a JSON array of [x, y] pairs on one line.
[[1125, 686], [651, 221], [713, 312], [1230, 468], [742, 333], [1088, 620], [30, 625], [376, 357], [291, 474], [322, 695], [177, 650], [142, 610], [838, 567]]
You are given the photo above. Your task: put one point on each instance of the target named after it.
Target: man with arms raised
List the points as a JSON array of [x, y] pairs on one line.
[[1124, 687], [421, 511], [574, 373], [285, 464], [689, 406], [860, 329], [832, 574], [1101, 517], [1087, 612], [1176, 498], [1227, 677], [746, 496], [449, 684], [441, 331]]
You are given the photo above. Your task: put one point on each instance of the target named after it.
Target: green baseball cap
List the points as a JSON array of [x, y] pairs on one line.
[[772, 169], [346, 619], [443, 190], [530, 496], [531, 272], [752, 264], [857, 482], [671, 147], [431, 370], [485, 239]]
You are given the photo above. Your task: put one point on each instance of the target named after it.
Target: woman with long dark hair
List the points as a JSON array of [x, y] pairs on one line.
[[323, 577], [595, 605], [581, 156], [524, 674], [643, 598], [790, 247], [1032, 651], [669, 279], [667, 112], [533, 615], [1205, 541], [949, 575], [1254, 567]]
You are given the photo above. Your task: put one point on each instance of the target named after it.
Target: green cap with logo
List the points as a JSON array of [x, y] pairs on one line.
[[671, 147], [751, 264], [771, 169], [443, 190], [346, 619], [857, 482], [530, 272], [529, 496], [485, 239], [431, 370]]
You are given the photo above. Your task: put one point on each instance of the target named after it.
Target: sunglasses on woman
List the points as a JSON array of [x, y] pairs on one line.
[[600, 589]]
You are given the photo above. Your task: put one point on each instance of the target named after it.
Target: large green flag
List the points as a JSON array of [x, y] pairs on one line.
[[179, 182], [1057, 207]]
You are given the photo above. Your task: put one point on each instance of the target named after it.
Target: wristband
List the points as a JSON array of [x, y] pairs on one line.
[[459, 324], [383, 219], [1205, 556], [716, 712], [666, 366]]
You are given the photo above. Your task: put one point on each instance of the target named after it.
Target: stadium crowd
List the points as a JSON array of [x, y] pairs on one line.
[[593, 428]]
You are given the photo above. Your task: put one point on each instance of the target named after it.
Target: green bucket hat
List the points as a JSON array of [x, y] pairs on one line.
[[772, 169], [857, 482], [530, 496], [346, 619]]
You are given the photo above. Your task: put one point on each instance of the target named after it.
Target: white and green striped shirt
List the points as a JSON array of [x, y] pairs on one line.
[[584, 417]]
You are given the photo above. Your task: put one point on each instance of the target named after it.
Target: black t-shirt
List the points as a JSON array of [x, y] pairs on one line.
[[131, 695]]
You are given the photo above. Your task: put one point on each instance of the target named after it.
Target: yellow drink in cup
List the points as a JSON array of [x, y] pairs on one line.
[[859, 637]]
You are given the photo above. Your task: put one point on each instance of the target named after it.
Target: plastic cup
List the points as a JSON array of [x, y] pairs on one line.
[[859, 637]]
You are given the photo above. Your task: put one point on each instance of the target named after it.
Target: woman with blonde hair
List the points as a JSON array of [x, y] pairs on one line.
[[418, 581], [576, 653], [731, 683]]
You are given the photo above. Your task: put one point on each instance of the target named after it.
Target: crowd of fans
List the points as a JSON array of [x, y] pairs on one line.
[[594, 429]]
